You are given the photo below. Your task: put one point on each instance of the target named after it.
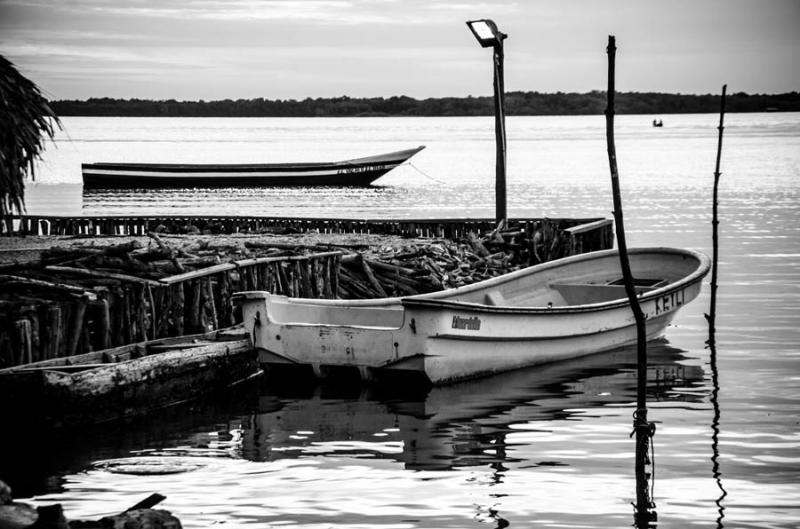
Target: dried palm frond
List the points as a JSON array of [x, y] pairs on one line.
[[25, 119]]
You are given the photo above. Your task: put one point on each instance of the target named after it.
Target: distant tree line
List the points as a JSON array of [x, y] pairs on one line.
[[517, 104]]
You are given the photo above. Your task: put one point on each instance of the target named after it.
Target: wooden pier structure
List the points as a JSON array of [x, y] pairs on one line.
[[79, 310], [579, 230]]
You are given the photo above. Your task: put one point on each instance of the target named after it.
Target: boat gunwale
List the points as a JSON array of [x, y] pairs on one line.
[[428, 301], [432, 300]]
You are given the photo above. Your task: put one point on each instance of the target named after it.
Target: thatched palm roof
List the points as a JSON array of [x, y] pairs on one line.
[[25, 118]]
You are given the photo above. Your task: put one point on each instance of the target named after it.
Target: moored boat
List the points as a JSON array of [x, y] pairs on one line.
[[355, 172], [127, 380], [552, 311]]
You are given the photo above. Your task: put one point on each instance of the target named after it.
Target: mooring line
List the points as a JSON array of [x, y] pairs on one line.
[[423, 173]]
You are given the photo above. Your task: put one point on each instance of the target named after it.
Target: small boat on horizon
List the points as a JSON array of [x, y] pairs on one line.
[[355, 172], [552, 311]]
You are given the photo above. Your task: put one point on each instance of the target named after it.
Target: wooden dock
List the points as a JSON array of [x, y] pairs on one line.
[[143, 224], [84, 310]]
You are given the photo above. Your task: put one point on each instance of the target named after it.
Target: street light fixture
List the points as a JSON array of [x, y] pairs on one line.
[[486, 32], [488, 35]]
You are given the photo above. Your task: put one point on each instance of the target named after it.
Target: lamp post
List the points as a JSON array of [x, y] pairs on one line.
[[487, 34]]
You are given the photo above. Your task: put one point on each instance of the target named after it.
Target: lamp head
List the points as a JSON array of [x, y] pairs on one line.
[[486, 32]]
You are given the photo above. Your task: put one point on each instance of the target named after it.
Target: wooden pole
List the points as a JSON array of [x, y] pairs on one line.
[[335, 265], [154, 312], [642, 428], [212, 304], [372, 279], [225, 308], [23, 328], [193, 307], [712, 314], [127, 322], [76, 326], [103, 319], [178, 298], [54, 331], [711, 318]]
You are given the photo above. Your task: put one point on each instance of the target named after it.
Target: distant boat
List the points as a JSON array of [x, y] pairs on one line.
[[658, 123], [552, 311], [356, 172]]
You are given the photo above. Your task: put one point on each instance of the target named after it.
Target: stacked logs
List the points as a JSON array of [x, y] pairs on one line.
[[83, 298], [80, 299], [435, 264]]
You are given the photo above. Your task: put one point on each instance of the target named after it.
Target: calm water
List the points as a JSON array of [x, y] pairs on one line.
[[547, 447]]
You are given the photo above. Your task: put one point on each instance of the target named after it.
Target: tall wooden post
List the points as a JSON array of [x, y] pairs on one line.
[[642, 428], [712, 313]]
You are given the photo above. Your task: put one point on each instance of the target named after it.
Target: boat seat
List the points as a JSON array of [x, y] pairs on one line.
[[588, 293], [493, 298]]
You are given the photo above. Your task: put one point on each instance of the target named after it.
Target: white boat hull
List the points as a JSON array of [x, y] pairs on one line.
[[554, 311]]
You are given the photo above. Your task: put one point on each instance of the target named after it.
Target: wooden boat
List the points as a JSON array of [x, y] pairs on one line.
[[127, 380], [356, 172], [552, 311]]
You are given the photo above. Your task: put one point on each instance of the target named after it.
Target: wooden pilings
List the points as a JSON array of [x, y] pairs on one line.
[[49, 322], [142, 225]]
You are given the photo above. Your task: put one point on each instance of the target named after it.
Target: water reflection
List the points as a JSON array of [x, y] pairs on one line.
[[456, 425], [459, 425], [715, 421], [282, 201], [481, 446]]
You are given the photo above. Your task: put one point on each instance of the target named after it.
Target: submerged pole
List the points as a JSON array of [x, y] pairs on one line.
[[642, 428], [712, 330], [712, 313]]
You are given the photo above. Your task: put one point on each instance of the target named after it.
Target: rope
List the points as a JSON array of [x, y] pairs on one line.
[[650, 430], [423, 173], [652, 427]]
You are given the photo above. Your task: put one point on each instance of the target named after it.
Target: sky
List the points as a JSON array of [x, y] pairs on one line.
[[293, 49]]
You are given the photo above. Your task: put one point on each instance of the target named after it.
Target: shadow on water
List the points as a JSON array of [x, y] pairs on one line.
[[33, 460], [435, 428]]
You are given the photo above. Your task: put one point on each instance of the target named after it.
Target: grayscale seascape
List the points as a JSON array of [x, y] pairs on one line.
[[544, 447]]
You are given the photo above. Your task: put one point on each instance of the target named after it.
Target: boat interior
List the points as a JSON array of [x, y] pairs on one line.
[[298, 311], [582, 282]]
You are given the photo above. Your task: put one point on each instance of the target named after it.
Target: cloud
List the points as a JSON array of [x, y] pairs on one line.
[[197, 48]]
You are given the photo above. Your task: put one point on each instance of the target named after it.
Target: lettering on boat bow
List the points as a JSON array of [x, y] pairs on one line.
[[468, 324], [361, 169]]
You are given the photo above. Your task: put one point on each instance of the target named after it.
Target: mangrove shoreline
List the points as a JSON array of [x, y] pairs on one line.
[[517, 104]]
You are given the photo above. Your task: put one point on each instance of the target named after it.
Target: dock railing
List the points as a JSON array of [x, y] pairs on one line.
[[143, 224]]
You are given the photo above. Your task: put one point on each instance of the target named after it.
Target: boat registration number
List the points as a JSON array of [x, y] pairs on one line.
[[670, 301]]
